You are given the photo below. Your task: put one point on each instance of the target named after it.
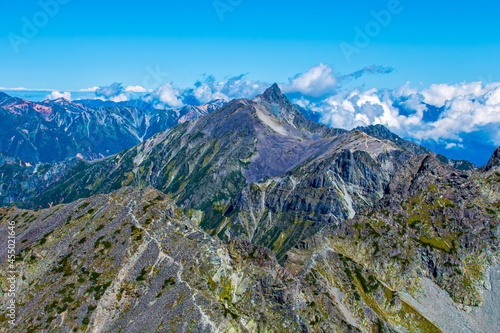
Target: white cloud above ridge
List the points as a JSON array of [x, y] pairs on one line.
[[169, 95], [57, 94], [113, 90], [466, 108], [317, 81], [119, 98]]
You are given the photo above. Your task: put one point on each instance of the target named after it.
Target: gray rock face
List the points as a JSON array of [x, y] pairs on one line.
[[435, 227], [324, 191]]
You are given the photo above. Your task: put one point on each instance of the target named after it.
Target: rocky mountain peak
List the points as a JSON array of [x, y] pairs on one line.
[[280, 105], [378, 131], [274, 94], [494, 160]]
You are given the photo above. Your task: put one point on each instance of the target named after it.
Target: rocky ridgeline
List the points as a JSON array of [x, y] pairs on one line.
[[131, 261]]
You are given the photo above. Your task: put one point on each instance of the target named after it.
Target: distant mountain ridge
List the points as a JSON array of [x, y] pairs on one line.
[[55, 130]]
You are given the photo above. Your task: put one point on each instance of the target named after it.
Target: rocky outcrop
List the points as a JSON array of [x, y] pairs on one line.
[[432, 240]]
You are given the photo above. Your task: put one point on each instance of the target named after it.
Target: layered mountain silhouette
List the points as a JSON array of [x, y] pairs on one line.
[[53, 131], [254, 218]]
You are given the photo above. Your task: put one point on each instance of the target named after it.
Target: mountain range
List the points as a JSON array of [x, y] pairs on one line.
[[251, 217], [56, 130]]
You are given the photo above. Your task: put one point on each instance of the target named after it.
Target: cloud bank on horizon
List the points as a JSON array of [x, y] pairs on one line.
[[447, 114]]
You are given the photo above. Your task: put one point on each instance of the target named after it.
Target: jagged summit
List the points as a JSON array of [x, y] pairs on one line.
[[494, 160], [274, 93], [286, 113], [274, 96]]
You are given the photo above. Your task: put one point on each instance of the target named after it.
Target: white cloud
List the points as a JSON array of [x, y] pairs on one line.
[[114, 92], [56, 95], [439, 94], [321, 80], [234, 87], [204, 93], [17, 89], [91, 89], [453, 145], [318, 81], [136, 89], [118, 98], [169, 95], [466, 108]]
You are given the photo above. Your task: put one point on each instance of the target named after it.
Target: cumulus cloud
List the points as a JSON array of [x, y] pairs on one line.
[[114, 92], [235, 87], [119, 98], [321, 80], [136, 89], [438, 94], [318, 81], [169, 95], [57, 94], [110, 91], [460, 109]]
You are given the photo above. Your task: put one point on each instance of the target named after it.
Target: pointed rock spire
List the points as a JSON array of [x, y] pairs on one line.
[[274, 94], [494, 160]]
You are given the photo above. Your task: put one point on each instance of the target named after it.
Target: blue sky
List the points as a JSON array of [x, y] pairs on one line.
[[89, 43], [411, 65]]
